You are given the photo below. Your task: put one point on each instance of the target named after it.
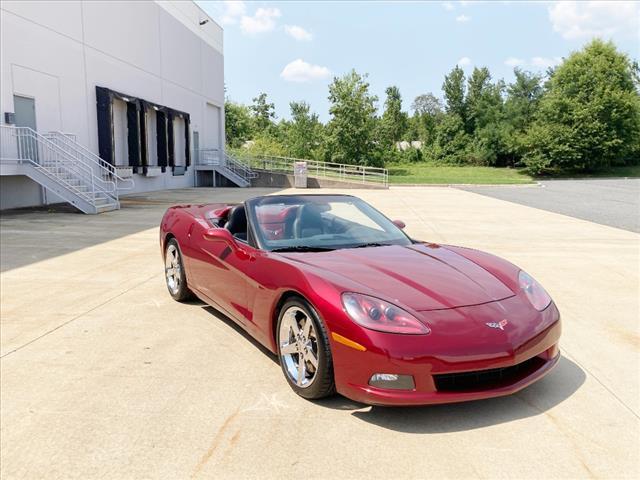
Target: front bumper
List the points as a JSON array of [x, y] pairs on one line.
[[378, 396], [478, 363]]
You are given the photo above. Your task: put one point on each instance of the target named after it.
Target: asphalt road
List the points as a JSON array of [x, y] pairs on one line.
[[612, 202], [104, 376]]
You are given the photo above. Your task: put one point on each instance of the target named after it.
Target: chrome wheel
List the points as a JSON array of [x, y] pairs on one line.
[[298, 342], [173, 269]]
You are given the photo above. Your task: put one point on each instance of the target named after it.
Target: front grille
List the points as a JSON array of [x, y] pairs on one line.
[[486, 379]]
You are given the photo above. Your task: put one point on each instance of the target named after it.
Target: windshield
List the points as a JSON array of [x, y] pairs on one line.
[[320, 222]]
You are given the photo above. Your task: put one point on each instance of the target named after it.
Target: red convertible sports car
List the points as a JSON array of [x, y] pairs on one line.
[[350, 303]]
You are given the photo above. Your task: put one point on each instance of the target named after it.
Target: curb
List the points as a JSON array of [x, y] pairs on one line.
[[457, 185]]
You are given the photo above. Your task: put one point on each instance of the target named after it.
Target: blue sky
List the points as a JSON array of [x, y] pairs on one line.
[[292, 50]]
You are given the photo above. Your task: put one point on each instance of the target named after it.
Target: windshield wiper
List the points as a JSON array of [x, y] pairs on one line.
[[371, 244], [302, 248]]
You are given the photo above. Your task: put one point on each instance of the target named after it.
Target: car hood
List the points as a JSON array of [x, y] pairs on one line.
[[422, 277]]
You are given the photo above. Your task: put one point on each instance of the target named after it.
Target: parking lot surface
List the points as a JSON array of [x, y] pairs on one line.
[[614, 202], [103, 375]]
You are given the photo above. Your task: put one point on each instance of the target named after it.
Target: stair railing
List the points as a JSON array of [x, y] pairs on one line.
[[24, 145], [86, 156]]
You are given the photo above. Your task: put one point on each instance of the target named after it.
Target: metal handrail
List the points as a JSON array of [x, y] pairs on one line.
[[353, 173], [25, 145], [216, 158], [88, 157], [58, 161], [73, 165], [240, 168], [209, 156]]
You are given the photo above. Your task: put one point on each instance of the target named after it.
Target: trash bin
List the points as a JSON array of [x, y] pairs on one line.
[[300, 174]]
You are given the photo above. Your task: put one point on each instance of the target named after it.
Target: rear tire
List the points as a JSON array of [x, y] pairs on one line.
[[302, 337], [174, 272]]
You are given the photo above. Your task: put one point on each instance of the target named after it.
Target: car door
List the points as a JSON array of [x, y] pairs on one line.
[[219, 270]]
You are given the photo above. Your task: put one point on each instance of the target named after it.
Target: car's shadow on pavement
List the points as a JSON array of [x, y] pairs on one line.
[[230, 323], [534, 400], [557, 386]]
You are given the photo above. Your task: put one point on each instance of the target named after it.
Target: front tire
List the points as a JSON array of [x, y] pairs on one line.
[[304, 351], [174, 272]]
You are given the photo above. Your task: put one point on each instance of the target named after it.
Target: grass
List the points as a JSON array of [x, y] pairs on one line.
[[427, 173], [443, 174]]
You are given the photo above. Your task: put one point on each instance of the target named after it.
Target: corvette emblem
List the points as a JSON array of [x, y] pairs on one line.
[[501, 324]]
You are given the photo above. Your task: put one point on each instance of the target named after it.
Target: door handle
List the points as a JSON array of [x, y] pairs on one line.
[[244, 255]]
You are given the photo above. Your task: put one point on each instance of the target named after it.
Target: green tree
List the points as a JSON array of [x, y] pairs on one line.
[[427, 110], [263, 113], [486, 122], [520, 107], [491, 145], [451, 139], [394, 122], [237, 124], [481, 94], [454, 93], [523, 97], [452, 142], [427, 104], [589, 117], [350, 132], [304, 131]]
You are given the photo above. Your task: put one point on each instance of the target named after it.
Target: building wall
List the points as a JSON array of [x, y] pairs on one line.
[[59, 51]]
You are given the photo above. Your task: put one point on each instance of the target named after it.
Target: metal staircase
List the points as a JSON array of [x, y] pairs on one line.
[[227, 166], [63, 166]]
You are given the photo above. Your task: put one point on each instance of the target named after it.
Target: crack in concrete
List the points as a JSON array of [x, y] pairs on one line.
[[79, 316], [574, 360]]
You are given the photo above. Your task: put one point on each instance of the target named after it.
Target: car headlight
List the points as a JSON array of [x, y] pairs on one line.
[[534, 292], [376, 314]]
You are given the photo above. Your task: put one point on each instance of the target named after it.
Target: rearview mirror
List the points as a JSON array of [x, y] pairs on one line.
[[218, 234], [399, 223]]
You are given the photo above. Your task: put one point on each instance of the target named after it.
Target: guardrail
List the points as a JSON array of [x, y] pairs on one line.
[[335, 171]]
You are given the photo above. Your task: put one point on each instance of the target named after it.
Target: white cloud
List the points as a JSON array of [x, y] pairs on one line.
[[264, 20], [298, 33], [543, 62], [463, 18], [301, 71], [232, 11], [464, 62], [537, 63], [578, 20], [514, 62], [447, 6]]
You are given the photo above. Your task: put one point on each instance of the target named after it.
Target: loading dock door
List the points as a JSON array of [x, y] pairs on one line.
[[120, 133], [152, 137], [180, 158]]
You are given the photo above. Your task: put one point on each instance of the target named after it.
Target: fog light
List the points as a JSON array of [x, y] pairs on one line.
[[392, 380]]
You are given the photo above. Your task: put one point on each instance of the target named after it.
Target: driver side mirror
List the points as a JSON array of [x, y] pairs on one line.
[[399, 223]]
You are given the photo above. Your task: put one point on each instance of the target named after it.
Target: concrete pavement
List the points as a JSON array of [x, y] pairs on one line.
[[104, 376]]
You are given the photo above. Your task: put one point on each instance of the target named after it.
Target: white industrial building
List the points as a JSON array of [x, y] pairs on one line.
[[99, 97]]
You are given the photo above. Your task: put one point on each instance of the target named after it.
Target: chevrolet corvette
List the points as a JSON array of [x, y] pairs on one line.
[[350, 304]]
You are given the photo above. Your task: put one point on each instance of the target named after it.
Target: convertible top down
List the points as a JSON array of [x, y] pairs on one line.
[[350, 303]]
